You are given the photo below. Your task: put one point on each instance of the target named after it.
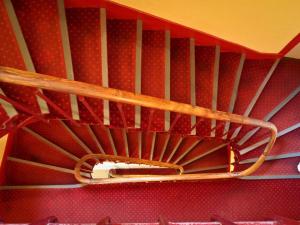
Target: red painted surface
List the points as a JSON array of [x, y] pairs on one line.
[[153, 75], [180, 81], [121, 47], [85, 42], [205, 60], [38, 19], [192, 201], [229, 63], [10, 56]]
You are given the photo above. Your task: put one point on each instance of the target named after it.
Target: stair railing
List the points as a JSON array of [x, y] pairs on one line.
[[36, 80]]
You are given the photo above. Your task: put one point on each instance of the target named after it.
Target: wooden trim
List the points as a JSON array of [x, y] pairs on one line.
[[272, 157], [92, 134], [8, 108], [23, 48], [214, 103], [193, 81], [234, 92], [19, 77], [271, 177], [206, 169], [24, 187], [140, 143], [67, 55], [269, 116], [266, 140], [204, 154], [175, 149], [103, 157], [111, 140], [42, 165], [152, 145], [257, 95], [104, 63], [164, 147], [75, 137], [187, 151], [54, 146], [124, 133], [138, 70], [167, 76], [3, 144]]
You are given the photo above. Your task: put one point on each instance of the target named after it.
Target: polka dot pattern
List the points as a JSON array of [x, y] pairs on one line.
[[10, 56], [186, 201], [121, 47], [229, 63], [153, 75], [205, 60], [85, 42], [254, 71], [39, 21], [180, 81]]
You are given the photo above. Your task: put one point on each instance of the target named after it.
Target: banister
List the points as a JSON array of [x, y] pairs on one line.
[[31, 79]]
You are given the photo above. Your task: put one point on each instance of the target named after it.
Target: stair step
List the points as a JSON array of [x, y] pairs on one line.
[[49, 53], [31, 148], [154, 69], [206, 58], [24, 174], [11, 55], [121, 49], [256, 74], [56, 132], [215, 161], [180, 80], [231, 65], [286, 166], [85, 42]]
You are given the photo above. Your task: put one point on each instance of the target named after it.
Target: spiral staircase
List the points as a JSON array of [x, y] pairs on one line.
[[101, 80]]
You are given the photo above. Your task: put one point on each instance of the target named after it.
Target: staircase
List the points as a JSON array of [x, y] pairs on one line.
[[133, 56]]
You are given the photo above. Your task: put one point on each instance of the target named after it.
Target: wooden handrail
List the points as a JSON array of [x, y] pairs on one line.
[[122, 159], [19, 77]]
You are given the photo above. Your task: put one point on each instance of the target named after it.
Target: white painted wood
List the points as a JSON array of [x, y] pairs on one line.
[[138, 70], [67, 55], [215, 88], [193, 81], [104, 63], [257, 95], [234, 92], [167, 76]]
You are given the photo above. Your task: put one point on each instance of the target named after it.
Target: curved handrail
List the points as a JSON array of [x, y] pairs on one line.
[[19, 77], [124, 159]]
